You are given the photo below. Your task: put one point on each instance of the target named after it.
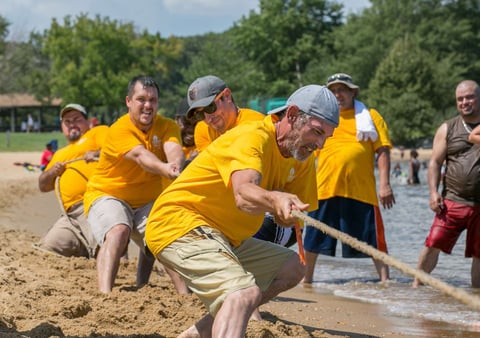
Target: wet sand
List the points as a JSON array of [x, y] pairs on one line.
[[43, 295]]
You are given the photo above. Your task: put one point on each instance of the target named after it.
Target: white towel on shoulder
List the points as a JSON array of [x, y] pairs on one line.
[[365, 127]]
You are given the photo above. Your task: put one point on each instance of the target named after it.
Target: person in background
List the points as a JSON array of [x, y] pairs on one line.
[[219, 112], [397, 170], [457, 207], [94, 122], [346, 185], [187, 128], [142, 153], [46, 156], [68, 173], [30, 123], [202, 224], [414, 166]]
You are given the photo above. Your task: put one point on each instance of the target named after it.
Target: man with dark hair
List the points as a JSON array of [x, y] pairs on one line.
[[187, 130], [141, 155]]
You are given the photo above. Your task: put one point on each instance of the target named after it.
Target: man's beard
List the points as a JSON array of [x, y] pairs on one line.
[[74, 136], [295, 147], [300, 156]]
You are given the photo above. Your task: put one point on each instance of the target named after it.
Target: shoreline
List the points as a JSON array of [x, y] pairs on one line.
[[43, 294], [396, 154]]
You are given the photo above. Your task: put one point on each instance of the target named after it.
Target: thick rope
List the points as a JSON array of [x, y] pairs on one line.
[[459, 294]]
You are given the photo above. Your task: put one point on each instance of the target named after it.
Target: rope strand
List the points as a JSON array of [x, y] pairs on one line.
[[459, 294]]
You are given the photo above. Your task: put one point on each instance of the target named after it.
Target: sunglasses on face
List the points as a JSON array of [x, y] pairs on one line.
[[210, 109]]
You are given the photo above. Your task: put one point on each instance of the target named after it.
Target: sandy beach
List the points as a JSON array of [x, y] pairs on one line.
[[44, 295]]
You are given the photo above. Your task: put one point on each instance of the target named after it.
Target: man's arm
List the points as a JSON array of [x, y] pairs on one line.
[[46, 180], [474, 136], [385, 193], [253, 199], [151, 163], [174, 153], [439, 154]]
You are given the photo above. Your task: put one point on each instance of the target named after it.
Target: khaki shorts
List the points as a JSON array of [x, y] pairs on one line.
[[212, 268], [70, 235], [108, 211]]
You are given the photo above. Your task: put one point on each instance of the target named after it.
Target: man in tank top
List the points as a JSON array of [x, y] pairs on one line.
[[457, 206]]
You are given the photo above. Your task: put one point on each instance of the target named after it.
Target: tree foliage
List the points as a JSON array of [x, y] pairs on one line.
[[407, 56], [92, 60], [285, 36], [221, 58], [403, 89]]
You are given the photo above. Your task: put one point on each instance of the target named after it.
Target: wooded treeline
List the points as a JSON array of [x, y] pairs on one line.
[[407, 56]]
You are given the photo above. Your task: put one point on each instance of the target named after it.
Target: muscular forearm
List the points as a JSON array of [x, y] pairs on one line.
[[434, 175], [150, 163], [254, 200], [383, 163], [46, 180]]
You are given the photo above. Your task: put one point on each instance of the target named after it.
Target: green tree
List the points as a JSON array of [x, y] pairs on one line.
[[285, 36], [402, 91], [92, 60], [3, 33], [445, 33], [217, 55]]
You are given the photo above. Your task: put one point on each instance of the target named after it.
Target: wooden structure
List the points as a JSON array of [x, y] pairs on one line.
[[14, 109]]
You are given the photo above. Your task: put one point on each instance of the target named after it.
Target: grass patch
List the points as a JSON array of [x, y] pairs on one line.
[[29, 141]]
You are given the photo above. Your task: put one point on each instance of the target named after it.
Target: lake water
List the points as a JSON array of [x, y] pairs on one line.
[[406, 226]]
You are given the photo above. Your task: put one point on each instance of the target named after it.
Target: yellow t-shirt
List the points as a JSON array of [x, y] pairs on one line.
[[204, 135], [73, 182], [203, 194], [125, 179], [345, 166]]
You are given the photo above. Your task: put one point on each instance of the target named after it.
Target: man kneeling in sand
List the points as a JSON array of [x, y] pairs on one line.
[[68, 172], [202, 225]]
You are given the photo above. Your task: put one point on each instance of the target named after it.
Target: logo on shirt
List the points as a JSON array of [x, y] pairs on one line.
[[291, 175], [156, 142]]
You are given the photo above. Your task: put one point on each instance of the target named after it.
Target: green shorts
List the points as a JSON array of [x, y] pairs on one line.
[[212, 268]]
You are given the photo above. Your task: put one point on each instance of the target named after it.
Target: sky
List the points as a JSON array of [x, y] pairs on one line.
[[168, 17]]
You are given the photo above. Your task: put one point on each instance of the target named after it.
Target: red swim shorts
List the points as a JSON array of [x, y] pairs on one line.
[[450, 223]]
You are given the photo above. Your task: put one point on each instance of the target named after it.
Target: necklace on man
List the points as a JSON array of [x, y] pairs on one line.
[[467, 127]]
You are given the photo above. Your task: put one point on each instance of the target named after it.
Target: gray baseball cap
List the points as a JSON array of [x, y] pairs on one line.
[[73, 106], [203, 91], [314, 100]]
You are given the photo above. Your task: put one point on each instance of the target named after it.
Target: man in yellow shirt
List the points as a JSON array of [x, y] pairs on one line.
[[219, 112], [142, 153], [202, 224], [187, 128], [347, 193], [71, 234]]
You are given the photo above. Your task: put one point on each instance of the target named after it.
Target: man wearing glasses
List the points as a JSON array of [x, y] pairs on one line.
[[202, 224], [211, 102]]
